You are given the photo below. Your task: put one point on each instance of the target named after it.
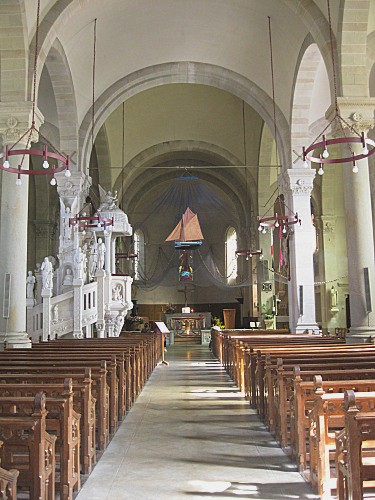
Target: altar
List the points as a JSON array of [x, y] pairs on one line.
[[187, 327]]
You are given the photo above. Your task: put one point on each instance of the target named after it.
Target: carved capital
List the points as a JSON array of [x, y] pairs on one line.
[[299, 181], [15, 119], [358, 112], [74, 188]]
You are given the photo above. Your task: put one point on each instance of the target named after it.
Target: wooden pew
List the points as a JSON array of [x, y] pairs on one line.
[[100, 389], [28, 448], [63, 422], [8, 482], [303, 401], [355, 450], [327, 417], [83, 403]]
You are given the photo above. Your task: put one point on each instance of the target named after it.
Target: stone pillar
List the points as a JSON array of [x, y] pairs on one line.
[[100, 323], [77, 308], [359, 223], [298, 186], [46, 296], [13, 227], [108, 254], [113, 264]]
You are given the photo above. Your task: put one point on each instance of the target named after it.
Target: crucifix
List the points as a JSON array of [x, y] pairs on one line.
[[185, 291]]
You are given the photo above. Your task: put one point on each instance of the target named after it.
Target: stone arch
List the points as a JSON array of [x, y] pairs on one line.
[[184, 72], [305, 78], [62, 84], [140, 174], [352, 74], [103, 159], [13, 74]]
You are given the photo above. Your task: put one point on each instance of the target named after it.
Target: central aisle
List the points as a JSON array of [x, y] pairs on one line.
[[191, 434]]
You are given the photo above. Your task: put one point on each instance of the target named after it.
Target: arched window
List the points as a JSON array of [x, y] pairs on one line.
[[139, 249], [230, 255]]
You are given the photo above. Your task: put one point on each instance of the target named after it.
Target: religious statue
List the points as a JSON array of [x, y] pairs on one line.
[[108, 201], [55, 313], [47, 274], [30, 284], [79, 263], [119, 322], [93, 259], [67, 227], [333, 297], [101, 254], [68, 278], [117, 293]]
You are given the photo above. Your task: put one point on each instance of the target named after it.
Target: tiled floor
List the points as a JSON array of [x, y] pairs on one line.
[[191, 434]]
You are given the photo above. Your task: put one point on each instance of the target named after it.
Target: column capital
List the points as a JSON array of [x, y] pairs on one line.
[[15, 119], [357, 111], [298, 181], [72, 188]]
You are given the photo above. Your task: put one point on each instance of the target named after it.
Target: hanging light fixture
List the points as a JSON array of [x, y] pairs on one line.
[[280, 220], [86, 222], [48, 153], [248, 254], [322, 143]]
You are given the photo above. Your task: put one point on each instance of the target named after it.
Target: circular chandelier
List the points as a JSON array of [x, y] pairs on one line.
[[248, 254], [62, 162], [126, 255], [282, 222], [90, 222], [323, 158]]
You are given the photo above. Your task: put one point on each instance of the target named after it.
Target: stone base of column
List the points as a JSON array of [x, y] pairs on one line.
[[14, 340], [360, 334], [306, 328]]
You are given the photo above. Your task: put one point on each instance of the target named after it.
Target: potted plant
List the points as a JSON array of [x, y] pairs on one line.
[[268, 318]]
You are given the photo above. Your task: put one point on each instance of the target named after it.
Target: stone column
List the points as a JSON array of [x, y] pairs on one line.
[[46, 296], [100, 323], [298, 186], [108, 254], [359, 223], [77, 308], [13, 227], [113, 255]]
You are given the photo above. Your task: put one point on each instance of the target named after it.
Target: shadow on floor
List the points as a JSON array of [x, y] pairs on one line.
[[251, 490]]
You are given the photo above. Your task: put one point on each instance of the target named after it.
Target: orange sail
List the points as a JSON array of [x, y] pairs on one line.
[[188, 228]]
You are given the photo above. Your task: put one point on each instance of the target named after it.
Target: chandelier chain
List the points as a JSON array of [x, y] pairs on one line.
[[93, 85]]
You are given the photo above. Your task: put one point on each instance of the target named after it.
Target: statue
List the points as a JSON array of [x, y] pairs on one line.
[[67, 227], [101, 254], [333, 297], [79, 263], [30, 284], [55, 314], [117, 293], [47, 274], [93, 259], [108, 201], [119, 322], [68, 279]]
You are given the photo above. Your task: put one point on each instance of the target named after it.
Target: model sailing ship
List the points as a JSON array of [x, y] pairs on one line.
[[187, 236]]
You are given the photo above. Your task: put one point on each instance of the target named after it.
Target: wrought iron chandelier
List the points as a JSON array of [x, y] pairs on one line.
[[318, 145], [48, 153], [248, 254], [90, 222]]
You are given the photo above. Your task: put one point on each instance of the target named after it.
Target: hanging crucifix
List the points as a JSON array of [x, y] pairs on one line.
[[185, 291]]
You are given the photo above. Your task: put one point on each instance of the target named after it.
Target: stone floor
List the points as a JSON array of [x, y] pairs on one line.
[[191, 434]]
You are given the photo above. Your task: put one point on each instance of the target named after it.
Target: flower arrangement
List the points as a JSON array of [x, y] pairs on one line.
[[217, 322]]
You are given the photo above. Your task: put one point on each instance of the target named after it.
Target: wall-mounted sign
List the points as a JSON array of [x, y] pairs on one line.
[[266, 287]]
